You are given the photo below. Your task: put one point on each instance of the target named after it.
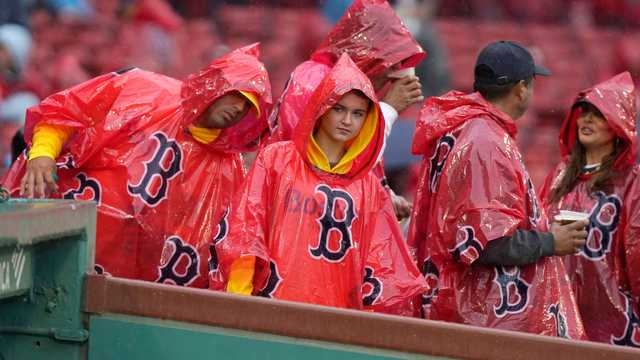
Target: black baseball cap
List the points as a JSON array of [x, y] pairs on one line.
[[505, 62]]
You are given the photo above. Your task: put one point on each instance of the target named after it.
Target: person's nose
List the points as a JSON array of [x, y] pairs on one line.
[[347, 119]]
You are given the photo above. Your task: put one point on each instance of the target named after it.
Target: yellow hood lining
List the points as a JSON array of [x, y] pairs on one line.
[[356, 146]]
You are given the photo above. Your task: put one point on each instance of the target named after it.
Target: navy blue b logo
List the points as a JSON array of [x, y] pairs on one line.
[[85, 183], [223, 230], [272, 283], [329, 222], [439, 159], [432, 276], [177, 254], [603, 223], [370, 297], [631, 334], [155, 168], [467, 248], [514, 291], [561, 321]]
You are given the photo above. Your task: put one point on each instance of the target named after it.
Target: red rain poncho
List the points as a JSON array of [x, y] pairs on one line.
[[313, 231], [605, 273], [371, 34], [156, 186], [474, 189]]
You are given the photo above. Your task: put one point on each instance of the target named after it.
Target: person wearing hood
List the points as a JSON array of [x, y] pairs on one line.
[[375, 38], [307, 225], [598, 176], [160, 156], [477, 227]]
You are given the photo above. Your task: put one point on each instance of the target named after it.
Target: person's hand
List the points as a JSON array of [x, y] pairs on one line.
[[568, 239], [401, 206], [38, 179], [404, 93]]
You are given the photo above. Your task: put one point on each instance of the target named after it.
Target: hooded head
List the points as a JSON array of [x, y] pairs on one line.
[[373, 36], [361, 152], [17, 41], [237, 73], [616, 101]]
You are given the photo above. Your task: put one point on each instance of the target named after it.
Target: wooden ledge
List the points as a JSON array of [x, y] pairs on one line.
[[108, 295]]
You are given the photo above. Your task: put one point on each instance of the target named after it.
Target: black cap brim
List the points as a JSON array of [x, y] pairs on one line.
[[539, 70]]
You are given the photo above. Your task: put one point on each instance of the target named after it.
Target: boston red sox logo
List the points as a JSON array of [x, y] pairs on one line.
[[439, 159], [329, 222], [223, 230], [156, 169], [631, 334], [432, 276], [467, 248], [85, 183], [603, 223], [534, 211], [67, 162], [514, 291], [179, 263], [370, 297], [561, 321], [272, 283]]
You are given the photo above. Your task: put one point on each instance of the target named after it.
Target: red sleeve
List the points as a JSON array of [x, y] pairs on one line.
[[83, 106], [248, 229], [392, 280]]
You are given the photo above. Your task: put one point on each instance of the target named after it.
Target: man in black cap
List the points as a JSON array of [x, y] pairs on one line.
[[479, 233]]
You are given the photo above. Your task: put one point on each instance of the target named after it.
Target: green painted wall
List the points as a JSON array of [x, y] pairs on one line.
[[128, 337]]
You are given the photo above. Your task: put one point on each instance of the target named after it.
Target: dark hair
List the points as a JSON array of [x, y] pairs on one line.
[[492, 92], [601, 179]]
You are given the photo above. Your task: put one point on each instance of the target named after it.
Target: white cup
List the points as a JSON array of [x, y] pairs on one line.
[[567, 217], [399, 74]]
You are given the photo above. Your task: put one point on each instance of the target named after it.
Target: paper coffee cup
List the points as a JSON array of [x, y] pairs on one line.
[[399, 74], [567, 217]]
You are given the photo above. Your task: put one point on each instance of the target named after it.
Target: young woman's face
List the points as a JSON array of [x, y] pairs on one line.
[[344, 120], [593, 129]]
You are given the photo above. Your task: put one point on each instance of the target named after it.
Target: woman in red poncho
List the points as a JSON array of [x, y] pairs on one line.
[[161, 157], [599, 177], [303, 228]]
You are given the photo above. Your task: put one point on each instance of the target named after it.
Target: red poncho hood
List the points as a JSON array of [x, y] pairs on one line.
[[343, 78], [374, 37], [616, 100], [239, 70]]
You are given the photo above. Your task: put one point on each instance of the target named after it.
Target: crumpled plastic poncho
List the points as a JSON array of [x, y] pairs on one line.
[[162, 196], [474, 189], [371, 34], [320, 237], [605, 273]]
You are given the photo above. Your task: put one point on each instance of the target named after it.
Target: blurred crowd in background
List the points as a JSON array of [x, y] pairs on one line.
[[50, 45]]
